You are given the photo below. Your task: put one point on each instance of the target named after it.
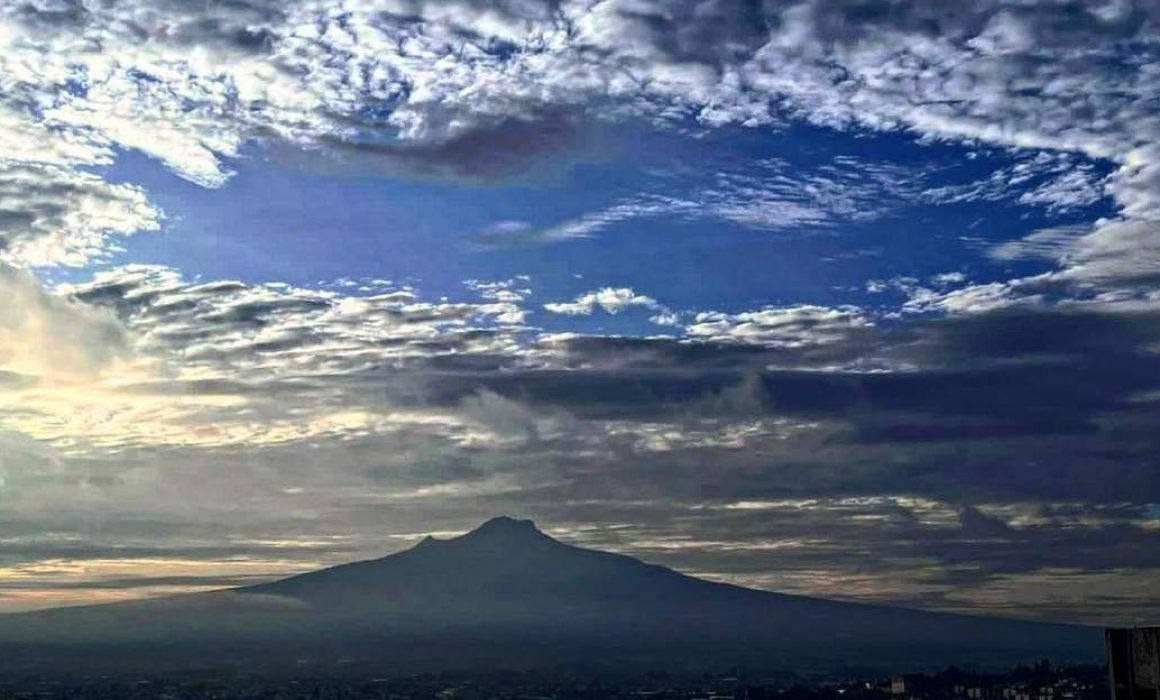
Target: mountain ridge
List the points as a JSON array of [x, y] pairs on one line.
[[506, 593]]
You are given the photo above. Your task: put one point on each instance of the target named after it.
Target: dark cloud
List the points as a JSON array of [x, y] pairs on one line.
[[532, 144], [1019, 403], [717, 32]]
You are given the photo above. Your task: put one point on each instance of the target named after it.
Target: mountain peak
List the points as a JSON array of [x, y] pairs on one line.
[[504, 526], [504, 533]]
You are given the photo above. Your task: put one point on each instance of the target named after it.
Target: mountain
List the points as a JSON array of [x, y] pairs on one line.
[[508, 595]]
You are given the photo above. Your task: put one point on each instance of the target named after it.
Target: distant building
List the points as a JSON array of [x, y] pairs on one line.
[[898, 685], [1134, 663]]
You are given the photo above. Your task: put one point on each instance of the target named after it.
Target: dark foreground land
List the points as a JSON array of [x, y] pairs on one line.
[[1040, 682]]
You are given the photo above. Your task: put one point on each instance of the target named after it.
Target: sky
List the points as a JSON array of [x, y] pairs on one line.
[[848, 298]]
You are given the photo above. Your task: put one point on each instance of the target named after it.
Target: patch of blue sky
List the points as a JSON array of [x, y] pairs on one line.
[[727, 220]]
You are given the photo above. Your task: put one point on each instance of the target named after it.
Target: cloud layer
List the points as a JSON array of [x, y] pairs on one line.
[[487, 89], [250, 430]]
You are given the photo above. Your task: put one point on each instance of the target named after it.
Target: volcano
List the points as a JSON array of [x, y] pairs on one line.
[[508, 595]]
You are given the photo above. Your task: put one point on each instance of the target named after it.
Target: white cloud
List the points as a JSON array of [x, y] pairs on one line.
[[780, 327], [1058, 182], [948, 278], [513, 290], [611, 300], [212, 364], [1117, 256], [768, 195], [666, 318], [975, 298], [48, 338], [53, 215]]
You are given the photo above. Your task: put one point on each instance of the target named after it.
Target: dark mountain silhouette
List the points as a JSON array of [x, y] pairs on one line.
[[506, 594]]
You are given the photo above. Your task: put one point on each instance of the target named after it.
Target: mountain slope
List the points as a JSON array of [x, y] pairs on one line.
[[507, 594]]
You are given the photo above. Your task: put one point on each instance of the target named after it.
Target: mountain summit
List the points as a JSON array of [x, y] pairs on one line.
[[506, 594], [507, 527], [502, 532]]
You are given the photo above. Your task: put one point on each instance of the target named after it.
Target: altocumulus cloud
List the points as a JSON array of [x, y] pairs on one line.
[[454, 81]]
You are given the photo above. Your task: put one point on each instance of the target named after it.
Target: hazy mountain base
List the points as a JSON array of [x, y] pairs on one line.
[[508, 596]]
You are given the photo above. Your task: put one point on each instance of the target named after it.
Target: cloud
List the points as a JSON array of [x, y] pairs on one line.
[[971, 298], [464, 89], [503, 148], [1059, 182], [769, 195], [611, 300], [218, 363], [825, 194], [51, 215], [788, 327], [47, 338], [515, 291], [1118, 257], [946, 448]]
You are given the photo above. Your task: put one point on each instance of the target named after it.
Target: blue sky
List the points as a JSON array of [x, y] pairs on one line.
[[276, 220], [849, 298]]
